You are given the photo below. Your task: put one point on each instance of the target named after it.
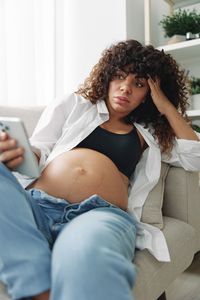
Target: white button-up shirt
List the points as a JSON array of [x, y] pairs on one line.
[[67, 121]]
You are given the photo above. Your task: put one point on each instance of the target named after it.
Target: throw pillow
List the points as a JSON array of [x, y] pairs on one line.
[[152, 209]]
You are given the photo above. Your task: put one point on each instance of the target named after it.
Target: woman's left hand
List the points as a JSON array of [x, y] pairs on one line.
[[179, 125], [160, 100]]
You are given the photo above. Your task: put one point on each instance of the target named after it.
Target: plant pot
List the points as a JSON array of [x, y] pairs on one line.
[[176, 39], [196, 101]]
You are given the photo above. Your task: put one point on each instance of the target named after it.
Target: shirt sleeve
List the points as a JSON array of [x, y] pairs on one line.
[[185, 153], [49, 127]]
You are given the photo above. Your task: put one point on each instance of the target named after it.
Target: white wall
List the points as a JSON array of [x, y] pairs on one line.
[[89, 27], [135, 20], [158, 9], [193, 65]]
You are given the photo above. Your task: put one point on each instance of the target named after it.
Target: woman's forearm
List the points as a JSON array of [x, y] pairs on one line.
[[181, 128]]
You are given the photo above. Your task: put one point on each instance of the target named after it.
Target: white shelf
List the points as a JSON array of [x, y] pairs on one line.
[[184, 50], [181, 3], [187, 51], [193, 114]]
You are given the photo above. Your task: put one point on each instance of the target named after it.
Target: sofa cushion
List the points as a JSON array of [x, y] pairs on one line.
[[184, 187], [152, 276], [152, 209]]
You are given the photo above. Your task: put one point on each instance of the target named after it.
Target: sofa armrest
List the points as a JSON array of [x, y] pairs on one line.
[[182, 198]]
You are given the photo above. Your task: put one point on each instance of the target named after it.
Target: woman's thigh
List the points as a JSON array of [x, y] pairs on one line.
[[92, 256], [101, 227]]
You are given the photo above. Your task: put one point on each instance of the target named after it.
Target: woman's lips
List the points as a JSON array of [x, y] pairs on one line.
[[121, 100]]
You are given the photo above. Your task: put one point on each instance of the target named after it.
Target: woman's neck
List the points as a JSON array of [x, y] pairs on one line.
[[117, 126]]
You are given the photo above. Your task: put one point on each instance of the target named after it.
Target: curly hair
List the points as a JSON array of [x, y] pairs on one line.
[[144, 61]]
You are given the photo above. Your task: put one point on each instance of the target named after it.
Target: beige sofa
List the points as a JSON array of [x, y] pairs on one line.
[[178, 202]]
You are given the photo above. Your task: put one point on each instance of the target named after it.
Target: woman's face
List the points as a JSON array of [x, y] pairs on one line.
[[125, 93]]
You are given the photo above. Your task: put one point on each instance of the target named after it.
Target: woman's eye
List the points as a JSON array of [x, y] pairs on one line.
[[139, 84]]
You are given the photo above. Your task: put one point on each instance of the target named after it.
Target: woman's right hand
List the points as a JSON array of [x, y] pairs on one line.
[[10, 154]]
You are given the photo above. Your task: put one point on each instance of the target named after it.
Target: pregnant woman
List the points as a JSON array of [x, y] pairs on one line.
[[72, 233]]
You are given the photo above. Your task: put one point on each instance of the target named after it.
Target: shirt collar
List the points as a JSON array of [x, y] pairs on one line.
[[101, 107]]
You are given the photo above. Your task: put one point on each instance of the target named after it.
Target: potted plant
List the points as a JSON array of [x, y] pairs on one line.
[[180, 23], [196, 127], [195, 92]]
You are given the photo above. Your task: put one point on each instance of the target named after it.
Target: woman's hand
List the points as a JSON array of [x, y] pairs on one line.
[[181, 128], [160, 100], [10, 154]]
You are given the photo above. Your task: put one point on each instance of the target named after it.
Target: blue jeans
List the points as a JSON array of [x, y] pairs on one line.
[[80, 251]]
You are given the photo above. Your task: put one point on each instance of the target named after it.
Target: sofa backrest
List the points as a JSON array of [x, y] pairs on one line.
[[29, 115]]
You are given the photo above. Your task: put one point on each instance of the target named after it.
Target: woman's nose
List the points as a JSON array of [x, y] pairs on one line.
[[126, 87]]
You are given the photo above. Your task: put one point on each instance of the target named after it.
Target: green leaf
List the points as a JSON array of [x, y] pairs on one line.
[[181, 22]]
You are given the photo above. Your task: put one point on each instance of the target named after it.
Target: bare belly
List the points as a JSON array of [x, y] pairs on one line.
[[79, 173]]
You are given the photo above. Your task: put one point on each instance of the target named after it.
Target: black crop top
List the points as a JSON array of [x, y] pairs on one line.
[[123, 149]]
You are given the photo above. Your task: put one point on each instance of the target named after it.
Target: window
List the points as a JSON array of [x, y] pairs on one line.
[[27, 52]]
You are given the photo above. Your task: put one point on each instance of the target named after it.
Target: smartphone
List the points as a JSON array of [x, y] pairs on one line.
[[16, 129]]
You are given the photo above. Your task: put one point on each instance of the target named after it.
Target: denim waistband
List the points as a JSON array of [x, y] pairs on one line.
[[71, 209], [58, 211]]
